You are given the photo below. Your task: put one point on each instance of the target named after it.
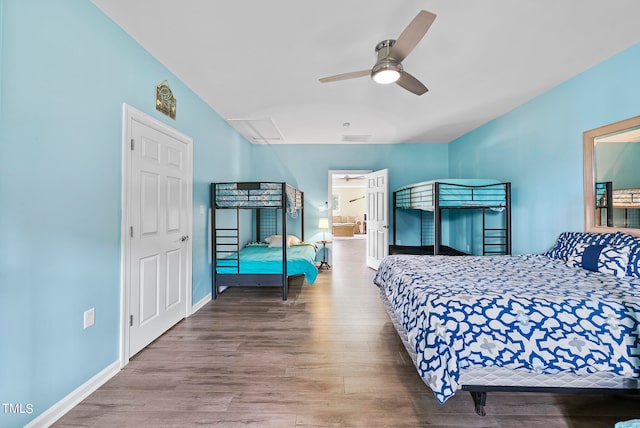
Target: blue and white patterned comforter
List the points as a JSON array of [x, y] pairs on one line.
[[521, 312]]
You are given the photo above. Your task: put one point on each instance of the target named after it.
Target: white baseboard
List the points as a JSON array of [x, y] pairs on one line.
[[58, 410], [195, 308]]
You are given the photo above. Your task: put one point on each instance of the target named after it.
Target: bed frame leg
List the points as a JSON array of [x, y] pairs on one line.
[[479, 399]]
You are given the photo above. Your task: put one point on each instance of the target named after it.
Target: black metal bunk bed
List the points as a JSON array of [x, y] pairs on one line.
[[609, 199], [431, 198], [270, 202]]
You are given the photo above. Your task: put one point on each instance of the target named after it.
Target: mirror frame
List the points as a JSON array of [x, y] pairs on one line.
[[588, 139]]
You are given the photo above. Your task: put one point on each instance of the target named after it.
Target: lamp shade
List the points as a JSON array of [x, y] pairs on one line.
[[323, 223]]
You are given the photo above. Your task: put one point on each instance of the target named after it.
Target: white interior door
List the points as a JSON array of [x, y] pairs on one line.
[[377, 217], [159, 218]]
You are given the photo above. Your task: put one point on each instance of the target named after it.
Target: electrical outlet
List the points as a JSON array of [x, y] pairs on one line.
[[89, 317]]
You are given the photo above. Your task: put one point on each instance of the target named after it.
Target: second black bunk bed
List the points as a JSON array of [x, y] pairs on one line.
[[267, 253], [617, 207], [431, 198]]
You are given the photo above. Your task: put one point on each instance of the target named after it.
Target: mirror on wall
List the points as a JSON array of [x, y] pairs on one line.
[[612, 177]]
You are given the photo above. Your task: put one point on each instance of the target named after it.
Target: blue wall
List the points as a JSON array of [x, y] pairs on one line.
[[307, 166], [65, 71], [538, 147]]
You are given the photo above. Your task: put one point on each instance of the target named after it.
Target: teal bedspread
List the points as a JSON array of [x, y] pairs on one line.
[[258, 259]]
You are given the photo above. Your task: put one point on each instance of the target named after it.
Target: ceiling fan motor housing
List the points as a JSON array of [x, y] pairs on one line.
[[386, 64]]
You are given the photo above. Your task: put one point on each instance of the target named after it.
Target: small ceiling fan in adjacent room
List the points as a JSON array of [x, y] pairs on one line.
[[388, 67], [348, 177]]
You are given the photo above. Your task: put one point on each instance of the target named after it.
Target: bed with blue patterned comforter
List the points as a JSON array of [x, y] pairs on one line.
[[526, 312]]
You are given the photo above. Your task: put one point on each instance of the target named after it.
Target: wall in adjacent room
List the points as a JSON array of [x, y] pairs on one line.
[[357, 208], [66, 71], [538, 148]]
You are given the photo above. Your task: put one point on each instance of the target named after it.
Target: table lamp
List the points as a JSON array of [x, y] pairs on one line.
[[323, 223]]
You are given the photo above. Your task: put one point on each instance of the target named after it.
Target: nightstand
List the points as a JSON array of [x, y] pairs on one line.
[[324, 263]]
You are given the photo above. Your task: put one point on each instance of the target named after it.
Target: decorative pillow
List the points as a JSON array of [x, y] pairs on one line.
[[600, 258], [568, 240], [274, 240], [292, 240], [632, 243]]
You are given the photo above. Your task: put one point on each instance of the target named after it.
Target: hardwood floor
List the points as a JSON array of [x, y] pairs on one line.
[[327, 357]]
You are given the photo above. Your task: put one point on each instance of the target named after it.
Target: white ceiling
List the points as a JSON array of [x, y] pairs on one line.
[[261, 60]]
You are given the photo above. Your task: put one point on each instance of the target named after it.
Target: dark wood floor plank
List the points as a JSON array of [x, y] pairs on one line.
[[326, 357]]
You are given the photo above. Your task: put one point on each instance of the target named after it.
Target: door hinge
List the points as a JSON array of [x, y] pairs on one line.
[[130, 320], [132, 144], [130, 231]]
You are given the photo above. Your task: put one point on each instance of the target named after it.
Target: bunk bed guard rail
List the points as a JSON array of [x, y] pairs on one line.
[[436, 196]]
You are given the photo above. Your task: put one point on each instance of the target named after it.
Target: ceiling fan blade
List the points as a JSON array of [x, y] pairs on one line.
[[345, 76], [411, 35], [411, 84]]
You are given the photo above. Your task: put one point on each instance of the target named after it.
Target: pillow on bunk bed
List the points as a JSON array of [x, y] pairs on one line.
[[633, 244], [600, 258], [276, 240], [567, 241], [292, 240]]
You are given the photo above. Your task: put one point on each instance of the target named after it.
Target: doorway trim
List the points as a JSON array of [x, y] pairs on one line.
[[130, 114], [336, 172]]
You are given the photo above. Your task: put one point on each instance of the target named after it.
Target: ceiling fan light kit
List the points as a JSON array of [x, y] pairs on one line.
[[387, 69], [390, 54]]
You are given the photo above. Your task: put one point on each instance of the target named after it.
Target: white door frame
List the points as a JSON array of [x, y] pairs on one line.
[[128, 115], [331, 173]]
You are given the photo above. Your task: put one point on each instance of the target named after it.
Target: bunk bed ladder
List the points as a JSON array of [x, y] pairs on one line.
[[226, 245], [497, 240]]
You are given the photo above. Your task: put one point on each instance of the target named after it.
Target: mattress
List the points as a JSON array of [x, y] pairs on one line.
[[492, 376], [262, 259], [257, 195], [526, 313], [626, 198]]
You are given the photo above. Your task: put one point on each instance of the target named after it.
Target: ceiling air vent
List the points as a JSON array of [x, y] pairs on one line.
[[356, 138]]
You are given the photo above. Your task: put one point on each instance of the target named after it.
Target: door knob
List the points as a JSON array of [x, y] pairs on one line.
[[184, 238]]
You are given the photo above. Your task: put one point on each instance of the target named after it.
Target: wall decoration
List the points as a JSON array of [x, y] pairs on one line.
[[165, 101]]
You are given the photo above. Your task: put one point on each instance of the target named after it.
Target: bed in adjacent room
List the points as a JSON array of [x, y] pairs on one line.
[[566, 320]]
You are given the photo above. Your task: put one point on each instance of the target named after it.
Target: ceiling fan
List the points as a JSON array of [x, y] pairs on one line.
[[348, 177], [388, 67]]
